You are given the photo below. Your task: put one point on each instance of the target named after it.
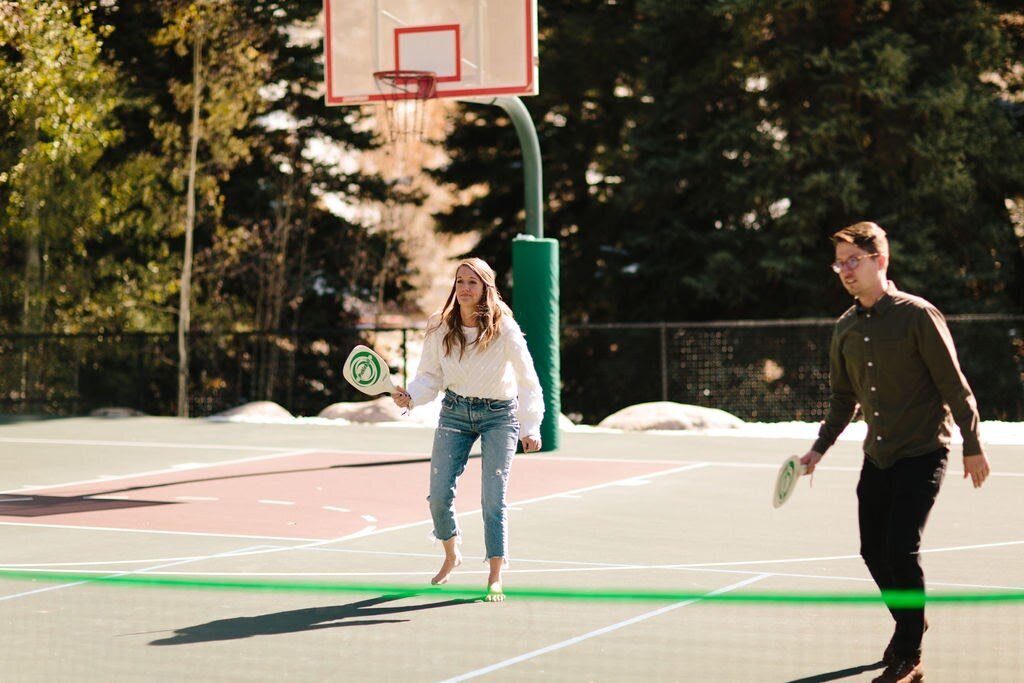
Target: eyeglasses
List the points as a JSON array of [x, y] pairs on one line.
[[850, 263]]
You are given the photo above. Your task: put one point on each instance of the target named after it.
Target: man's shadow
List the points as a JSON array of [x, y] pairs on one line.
[[294, 621], [841, 673]]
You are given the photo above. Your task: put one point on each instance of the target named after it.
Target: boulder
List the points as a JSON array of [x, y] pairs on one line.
[[667, 415], [256, 409], [377, 410], [116, 411]]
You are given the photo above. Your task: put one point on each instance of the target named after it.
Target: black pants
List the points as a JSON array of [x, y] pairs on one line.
[[893, 507]]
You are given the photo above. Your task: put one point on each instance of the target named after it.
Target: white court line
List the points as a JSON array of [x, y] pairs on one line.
[[599, 632], [191, 467], [62, 586], [596, 487], [163, 531], [276, 502], [310, 543], [138, 444], [377, 574], [262, 550], [174, 469], [101, 563], [368, 531], [579, 567]]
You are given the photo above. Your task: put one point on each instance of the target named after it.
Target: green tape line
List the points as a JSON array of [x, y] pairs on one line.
[[899, 599]]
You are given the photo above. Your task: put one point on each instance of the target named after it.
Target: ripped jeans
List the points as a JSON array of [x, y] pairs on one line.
[[462, 421]]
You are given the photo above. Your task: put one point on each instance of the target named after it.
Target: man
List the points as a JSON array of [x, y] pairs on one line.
[[893, 355]]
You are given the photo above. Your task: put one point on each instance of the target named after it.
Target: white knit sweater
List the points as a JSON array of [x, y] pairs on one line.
[[504, 370]]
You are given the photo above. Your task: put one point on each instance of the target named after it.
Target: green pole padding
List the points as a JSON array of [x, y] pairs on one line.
[[535, 304]]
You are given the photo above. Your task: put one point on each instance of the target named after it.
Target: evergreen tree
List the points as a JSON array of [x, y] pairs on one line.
[[586, 101], [697, 155], [816, 115]]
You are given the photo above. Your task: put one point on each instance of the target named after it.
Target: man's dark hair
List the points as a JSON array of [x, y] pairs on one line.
[[867, 235]]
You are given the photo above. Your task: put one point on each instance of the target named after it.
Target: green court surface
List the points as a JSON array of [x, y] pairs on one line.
[[165, 549]]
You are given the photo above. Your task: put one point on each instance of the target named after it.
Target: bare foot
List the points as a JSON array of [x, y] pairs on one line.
[[449, 564], [494, 593]]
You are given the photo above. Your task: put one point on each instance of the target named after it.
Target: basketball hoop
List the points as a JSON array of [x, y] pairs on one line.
[[403, 93]]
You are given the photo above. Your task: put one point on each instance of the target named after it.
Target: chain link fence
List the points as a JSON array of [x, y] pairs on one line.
[[764, 371], [760, 371], [76, 374]]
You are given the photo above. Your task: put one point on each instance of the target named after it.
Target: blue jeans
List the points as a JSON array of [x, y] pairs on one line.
[[462, 421]]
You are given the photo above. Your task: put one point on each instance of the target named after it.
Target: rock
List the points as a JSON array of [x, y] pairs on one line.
[[257, 409], [116, 411], [667, 415], [378, 410]]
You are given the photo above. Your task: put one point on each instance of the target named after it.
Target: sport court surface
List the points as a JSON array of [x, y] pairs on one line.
[[295, 508]]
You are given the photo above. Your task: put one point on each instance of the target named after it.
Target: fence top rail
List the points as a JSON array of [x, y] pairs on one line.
[[118, 334], [416, 327], [776, 322]]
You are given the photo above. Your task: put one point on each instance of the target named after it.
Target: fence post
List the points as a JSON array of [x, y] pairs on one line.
[[664, 362], [405, 358]]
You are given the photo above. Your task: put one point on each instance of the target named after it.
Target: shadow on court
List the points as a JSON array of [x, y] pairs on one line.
[[34, 505], [262, 473], [840, 674], [41, 506], [295, 621]]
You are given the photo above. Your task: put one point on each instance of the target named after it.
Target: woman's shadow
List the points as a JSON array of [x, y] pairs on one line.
[[309, 619]]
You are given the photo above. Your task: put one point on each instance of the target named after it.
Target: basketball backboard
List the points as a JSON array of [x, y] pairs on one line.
[[475, 48]]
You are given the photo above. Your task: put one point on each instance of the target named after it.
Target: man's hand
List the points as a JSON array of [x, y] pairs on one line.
[[976, 467], [810, 460]]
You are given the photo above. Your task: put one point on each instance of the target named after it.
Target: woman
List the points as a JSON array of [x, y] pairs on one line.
[[476, 353]]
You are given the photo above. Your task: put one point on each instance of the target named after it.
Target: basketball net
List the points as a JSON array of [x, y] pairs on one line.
[[404, 129], [404, 95]]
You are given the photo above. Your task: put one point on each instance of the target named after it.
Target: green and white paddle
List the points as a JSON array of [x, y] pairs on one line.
[[368, 372], [785, 482]]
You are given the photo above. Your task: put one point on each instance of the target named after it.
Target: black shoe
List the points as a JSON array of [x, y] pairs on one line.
[[909, 670], [889, 656]]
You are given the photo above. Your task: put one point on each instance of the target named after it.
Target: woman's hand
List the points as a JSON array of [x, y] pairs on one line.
[[402, 398], [530, 444]]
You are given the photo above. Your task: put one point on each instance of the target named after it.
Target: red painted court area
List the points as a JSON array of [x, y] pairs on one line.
[[314, 495]]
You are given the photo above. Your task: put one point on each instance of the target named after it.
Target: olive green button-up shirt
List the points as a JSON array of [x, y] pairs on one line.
[[897, 360]]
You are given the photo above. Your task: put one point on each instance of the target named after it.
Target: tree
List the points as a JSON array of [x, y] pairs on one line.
[[837, 112], [288, 259], [56, 107], [588, 98], [57, 99], [227, 69], [696, 163]]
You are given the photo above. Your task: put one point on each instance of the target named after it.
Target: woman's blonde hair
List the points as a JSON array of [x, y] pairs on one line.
[[488, 313]]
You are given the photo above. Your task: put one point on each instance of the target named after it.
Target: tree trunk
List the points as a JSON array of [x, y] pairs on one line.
[[185, 304], [30, 319]]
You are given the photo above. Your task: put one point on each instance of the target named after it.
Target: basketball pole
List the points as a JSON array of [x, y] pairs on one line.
[[535, 278]]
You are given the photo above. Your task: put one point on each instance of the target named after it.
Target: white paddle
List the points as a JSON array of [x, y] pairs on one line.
[[785, 482], [368, 372]]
